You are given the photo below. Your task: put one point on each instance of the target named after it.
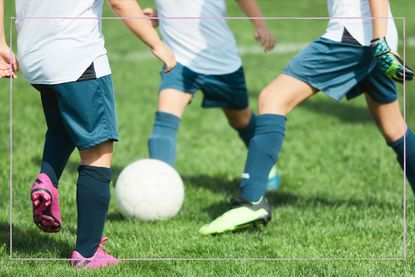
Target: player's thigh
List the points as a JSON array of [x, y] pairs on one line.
[[98, 155], [283, 95], [50, 108], [388, 118], [173, 101], [238, 118], [87, 109]]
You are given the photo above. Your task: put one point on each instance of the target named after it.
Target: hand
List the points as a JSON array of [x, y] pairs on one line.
[[389, 62], [165, 54], [265, 38], [152, 13], [5, 63]]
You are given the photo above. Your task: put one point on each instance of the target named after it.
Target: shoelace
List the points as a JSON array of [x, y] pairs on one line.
[[102, 247]]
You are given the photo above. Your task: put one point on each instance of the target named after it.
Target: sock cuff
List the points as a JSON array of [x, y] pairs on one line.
[[270, 123], [101, 173], [409, 134], [167, 120]]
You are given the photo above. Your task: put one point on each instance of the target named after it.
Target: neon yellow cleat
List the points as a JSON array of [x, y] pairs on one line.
[[243, 215]]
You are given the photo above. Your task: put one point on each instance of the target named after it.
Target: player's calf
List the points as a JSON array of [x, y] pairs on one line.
[[402, 146], [162, 143]]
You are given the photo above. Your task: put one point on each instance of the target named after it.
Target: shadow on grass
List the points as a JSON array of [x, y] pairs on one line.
[[230, 188], [29, 243], [115, 217]]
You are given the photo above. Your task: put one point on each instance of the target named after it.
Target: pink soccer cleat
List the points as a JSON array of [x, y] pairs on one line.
[[45, 200], [100, 258]]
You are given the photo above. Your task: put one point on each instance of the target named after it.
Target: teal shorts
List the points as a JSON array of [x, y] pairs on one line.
[[341, 69], [86, 109], [219, 91]]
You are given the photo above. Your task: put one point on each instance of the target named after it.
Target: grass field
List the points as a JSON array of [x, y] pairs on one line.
[[341, 193]]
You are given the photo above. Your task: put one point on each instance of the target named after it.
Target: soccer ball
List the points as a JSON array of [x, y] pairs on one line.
[[149, 190]]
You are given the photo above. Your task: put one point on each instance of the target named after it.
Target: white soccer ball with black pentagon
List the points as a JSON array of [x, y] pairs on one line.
[[149, 190]]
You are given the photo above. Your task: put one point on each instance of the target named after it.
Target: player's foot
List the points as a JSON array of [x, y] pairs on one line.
[[273, 179], [243, 215], [99, 259], [45, 201]]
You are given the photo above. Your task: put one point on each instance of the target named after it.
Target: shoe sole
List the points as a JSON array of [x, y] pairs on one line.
[[42, 214], [83, 264], [253, 224]]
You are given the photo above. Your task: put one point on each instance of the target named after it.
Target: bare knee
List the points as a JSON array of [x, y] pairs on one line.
[[270, 103], [173, 101], [393, 134], [388, 118], [238, 118], [283, 95], [99, 155]]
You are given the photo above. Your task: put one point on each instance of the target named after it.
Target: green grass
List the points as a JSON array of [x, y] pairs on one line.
[[341, 193]]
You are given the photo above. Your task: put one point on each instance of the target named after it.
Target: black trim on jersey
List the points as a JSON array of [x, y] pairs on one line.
[[348, 38], [89, 74]]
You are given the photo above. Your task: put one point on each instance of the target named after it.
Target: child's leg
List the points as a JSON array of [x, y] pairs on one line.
[[162, 142], [243, 121], [275, 102], [57, 149], [58, 144], [93, 196], [390, 122]]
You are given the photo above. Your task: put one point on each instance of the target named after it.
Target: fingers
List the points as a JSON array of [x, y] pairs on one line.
[[404, 70], [5, 72], [148, 12], [169, 66], [401, 74], [270, 43], [15, 64], [409, 74], [166, 55], [261, 39], [170, 63], [151, 13], [266, 39]]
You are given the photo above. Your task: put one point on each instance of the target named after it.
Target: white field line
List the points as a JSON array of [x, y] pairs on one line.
[[281, 48]]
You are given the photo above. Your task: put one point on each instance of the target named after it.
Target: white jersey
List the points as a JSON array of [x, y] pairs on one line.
[[360, 27], [59, 50], [205, 45]]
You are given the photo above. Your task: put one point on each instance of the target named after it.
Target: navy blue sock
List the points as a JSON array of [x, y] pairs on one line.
[[262, 155], [247, 133], [397, 146], [92, 198], [162, 142]]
